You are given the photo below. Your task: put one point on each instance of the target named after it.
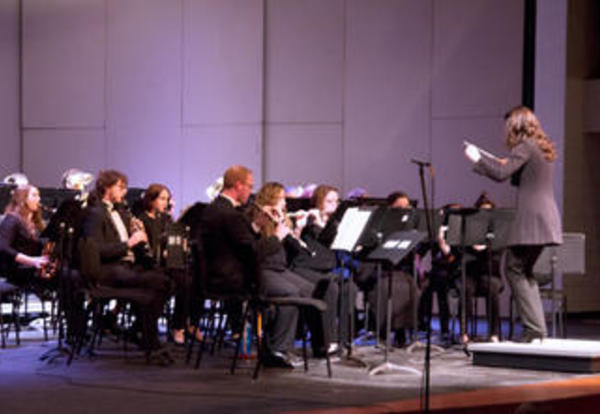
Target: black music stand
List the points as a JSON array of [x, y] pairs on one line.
[[52, 198], [5, 195], [349, 232], [385, 221], [467, 227], [394, 248]]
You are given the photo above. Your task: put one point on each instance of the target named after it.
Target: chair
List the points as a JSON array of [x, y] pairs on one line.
[[11, 295], [254, 305], [98, 295], [556, 260]]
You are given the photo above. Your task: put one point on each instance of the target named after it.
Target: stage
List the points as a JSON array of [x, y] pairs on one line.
[[109, 383]]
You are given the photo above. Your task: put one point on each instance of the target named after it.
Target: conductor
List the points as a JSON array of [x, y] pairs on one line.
[[530, 165]]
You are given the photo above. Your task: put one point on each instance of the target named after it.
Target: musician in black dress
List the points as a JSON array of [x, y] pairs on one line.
[[156, 217], [308, 265], [445, 269], [530, 165], [20, 247]]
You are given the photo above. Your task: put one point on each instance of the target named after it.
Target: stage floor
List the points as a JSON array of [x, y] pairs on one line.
[[112, 384]]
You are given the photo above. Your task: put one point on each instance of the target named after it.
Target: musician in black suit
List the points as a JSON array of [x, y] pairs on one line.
[[530, 165], [233, 250], [111, 229]]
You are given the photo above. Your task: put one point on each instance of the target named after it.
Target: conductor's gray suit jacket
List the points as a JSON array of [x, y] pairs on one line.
[[537, 221]]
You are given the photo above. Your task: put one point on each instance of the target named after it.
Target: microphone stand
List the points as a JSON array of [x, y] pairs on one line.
[[427, 367]]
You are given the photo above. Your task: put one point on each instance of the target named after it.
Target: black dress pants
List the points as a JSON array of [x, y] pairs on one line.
[[153, 285]]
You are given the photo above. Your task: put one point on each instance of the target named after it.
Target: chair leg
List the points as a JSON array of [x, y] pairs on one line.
[[210, 329], [239, 343], [511, 320], [2, 327], [303, 330], [259, 360], [15, 307], [192, 340], [44, 321]]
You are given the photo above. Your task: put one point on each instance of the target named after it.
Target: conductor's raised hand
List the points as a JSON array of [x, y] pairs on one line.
[[472, 153]]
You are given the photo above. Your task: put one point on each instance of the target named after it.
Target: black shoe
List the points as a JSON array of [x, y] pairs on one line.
[[160, 357], [530, 336], [278, 360], [109, 324], [399, 339]]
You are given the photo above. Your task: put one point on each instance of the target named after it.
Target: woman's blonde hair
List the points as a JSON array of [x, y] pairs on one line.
[[267, 196], [521, 123]]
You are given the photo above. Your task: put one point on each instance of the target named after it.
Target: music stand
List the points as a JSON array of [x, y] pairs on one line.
[[467, 227], [391, 252], [53, 198], [385, 221], [349, 233], [5, 195]]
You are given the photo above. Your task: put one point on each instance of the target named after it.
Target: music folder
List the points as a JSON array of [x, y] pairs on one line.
[[396, 246]]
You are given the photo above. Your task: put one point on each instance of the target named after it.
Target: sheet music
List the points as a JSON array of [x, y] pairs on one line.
[[350, 229], [484, 152]]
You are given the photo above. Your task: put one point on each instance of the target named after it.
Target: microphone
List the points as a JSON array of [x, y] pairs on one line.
[[421, 163]]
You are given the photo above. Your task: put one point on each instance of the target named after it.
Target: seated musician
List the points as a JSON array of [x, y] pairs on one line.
[[157, 217], [320, 229], [115, 236], [20, 247], [479, 280], [445, 269], [232, 250], [309, 265], [325, 200]]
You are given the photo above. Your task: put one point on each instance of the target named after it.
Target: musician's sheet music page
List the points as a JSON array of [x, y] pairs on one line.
[[350, 229]]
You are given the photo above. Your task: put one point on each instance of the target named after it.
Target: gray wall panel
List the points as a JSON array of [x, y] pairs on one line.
[[147, 153], [9, 87], [304, 65], [48, 153], [455, 180], [387, 100], [301, 154], [477, 59], [144, 63], [208, 151], [63, 63], [223, 61]]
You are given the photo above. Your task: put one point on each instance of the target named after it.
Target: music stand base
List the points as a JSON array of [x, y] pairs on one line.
[[387, 367], [417, 345], [351, 359]]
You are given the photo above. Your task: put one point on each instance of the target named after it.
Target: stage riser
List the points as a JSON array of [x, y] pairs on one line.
[[536, 362]]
